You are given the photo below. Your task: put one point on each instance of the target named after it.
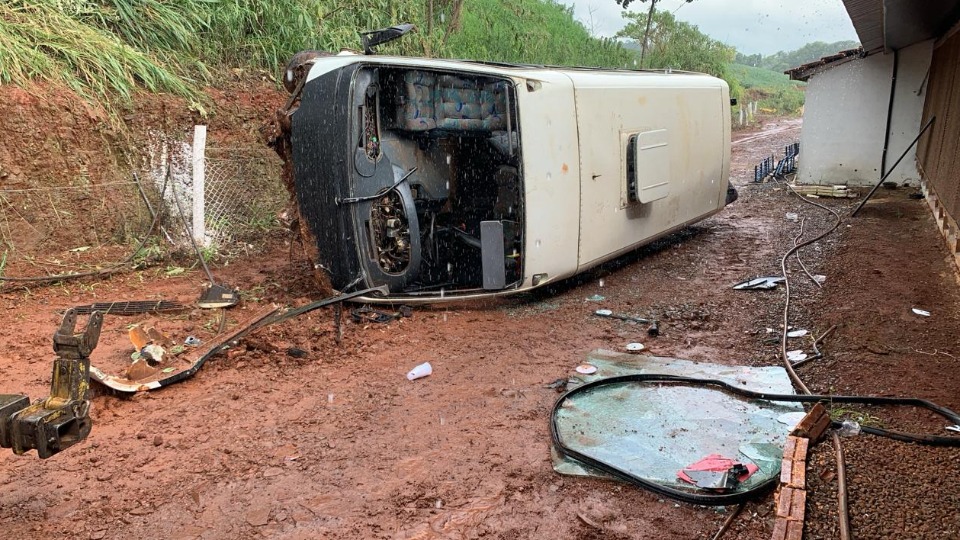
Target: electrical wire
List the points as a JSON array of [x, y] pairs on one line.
[[842, 507], [795, 241]]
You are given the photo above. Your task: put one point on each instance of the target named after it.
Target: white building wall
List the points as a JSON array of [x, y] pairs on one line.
[[907, 116], [845, 119]]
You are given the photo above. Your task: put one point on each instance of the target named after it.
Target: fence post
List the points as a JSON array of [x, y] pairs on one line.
[[199, 170]]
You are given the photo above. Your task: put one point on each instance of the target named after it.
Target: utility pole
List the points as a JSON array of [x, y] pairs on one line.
[[646, 33]]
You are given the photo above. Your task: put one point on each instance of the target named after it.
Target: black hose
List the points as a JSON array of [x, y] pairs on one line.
[[722, 499]]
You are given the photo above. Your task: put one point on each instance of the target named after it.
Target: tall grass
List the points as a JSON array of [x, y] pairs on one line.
[[108, 48], [39, 40], [532, 31], [773, 90]]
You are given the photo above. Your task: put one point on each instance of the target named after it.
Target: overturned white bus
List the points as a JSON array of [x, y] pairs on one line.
[[447, 179]]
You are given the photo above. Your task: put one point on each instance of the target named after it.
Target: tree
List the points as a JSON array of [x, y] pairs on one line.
[[676, 44], [653, 8]]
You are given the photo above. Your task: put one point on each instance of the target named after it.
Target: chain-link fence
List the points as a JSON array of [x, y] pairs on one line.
[[242, 193], [51, 226], [37, 219]]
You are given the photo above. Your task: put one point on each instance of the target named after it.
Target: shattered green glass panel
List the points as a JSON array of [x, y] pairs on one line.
[[654, 430]]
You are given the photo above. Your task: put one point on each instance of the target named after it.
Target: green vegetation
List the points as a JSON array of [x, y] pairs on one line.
[[531, 31], [106, 49], [774, 92], [680, 45], [763, 79], [782, 61]]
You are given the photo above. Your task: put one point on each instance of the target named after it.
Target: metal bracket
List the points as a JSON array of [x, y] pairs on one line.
[[55, 423]]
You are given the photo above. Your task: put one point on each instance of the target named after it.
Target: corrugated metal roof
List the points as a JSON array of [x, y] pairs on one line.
[[894, 24], [867, 17], [804, 72]]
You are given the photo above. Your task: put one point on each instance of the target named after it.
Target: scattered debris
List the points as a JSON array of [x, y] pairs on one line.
[[153, 382], [369, 314], [921, 312], [296, 352], [152, 353], [717, 472], [792, 216], [815, 191], [596, 298], [560, 385], [796, 355], [759, 284], [653, 330], [820, 278], [589, 521], [137, 307], [848, 428], [216, 296], [797, 333], [791, 419], [420, 371], [192, 341]]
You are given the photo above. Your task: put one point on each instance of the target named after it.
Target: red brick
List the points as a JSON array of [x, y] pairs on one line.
[[786, 470], [817, 431], [800, 454], [798, 506], [790, 448], [784, 502], [779, 529], [807, 426], [794, 530], [798, 475]]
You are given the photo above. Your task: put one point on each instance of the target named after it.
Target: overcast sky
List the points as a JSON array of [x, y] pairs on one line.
[[752, 26]]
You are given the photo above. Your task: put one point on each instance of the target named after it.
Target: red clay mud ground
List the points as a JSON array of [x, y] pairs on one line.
[[340, 445]]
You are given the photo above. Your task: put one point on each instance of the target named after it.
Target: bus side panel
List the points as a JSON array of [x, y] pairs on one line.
[[683, 142], [551, 175]]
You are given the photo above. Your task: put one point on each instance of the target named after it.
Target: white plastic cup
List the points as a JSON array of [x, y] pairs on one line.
[[420, 371]]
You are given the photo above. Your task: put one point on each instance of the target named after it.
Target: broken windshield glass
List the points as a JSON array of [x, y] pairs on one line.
[[654, 431]]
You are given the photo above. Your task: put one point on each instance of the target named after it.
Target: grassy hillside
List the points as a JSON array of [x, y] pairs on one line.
[[784, 60], [774, 91], [105, 49], [531, 31]]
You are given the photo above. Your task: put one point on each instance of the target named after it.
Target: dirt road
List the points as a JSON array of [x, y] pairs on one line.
[[338, 444]]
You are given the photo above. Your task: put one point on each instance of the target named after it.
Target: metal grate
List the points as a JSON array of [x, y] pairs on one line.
[[130, 307]]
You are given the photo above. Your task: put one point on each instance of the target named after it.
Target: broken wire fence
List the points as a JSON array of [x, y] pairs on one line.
[[243, 194], [39, 217], [52, 226]]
